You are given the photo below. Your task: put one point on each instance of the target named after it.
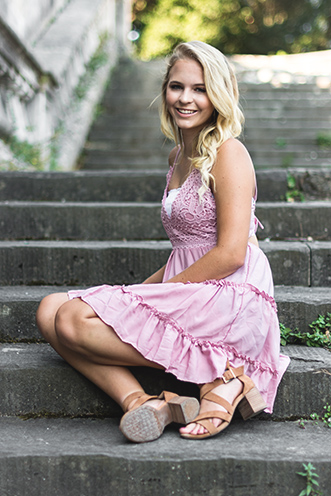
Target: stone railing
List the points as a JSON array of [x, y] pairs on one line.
[[40, 72]]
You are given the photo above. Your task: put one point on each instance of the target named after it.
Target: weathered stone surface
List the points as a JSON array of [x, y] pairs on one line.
[[33, 379], [81, 221], [141, 185], [87, 263], [314, 184], [91, 458], [289, 262], [83, 186], [300, 306], [320, 263], [271, 184], [295, 220], [18, 306], [117, 220]]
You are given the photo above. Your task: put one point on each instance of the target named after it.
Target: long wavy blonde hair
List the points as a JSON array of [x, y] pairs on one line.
[[222, 91]]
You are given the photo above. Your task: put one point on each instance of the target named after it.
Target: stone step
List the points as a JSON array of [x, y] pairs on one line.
[[297, 308], [310, 114], [289, 161], [34, 379], [118, 163], [286, 124], [252, 101], [127, 262], [295, 220], [132, 185], [88, 186], [300, 306], [81, 221], [292, 91], [141, 221], [312, 152], [261, 161], [296, 154], [90, 457]]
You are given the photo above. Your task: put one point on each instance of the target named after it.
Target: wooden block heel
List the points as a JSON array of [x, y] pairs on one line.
[[251, 404], [183, 409], [143, 423]]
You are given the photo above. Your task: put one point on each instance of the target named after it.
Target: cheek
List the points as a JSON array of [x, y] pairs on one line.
[[169, 98]]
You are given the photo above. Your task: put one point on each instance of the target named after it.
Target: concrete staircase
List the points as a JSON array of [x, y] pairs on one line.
[[101, 225]]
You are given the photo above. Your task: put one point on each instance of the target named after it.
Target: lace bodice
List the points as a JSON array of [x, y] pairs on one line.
[[193, 223]]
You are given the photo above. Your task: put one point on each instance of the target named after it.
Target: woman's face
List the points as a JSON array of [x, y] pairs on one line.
[[186, 96]]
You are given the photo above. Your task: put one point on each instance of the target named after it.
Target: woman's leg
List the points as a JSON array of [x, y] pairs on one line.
[[90, 346]]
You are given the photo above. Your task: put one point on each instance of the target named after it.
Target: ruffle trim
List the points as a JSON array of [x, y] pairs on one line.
[[228, 350], [223, 282]]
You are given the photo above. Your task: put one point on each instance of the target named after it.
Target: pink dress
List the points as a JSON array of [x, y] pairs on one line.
[[192, 329]]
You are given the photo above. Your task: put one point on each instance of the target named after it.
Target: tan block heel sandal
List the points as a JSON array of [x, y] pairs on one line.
[[145, 423], [249, 403]]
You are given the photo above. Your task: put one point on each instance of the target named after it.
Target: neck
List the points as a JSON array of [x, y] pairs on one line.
[[188, 141]]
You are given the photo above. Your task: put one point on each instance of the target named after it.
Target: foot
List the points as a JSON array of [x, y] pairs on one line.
[[229, 392]]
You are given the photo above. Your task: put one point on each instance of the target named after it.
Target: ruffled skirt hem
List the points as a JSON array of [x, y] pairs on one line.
[[156, 319]]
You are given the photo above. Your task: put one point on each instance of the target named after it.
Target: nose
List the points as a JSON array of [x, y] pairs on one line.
[[185, 96]]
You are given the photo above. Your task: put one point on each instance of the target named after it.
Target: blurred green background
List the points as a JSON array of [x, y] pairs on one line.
[[234, 26]]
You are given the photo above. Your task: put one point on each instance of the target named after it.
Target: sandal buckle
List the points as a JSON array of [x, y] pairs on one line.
[[230, 379], [226, 380]]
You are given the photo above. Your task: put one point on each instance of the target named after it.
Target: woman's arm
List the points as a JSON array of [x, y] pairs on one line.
[[233, 192], [155, 278]]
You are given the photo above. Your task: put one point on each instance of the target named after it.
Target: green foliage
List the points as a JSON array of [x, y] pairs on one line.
[[292, 193], [318, 337], [311, 481], [99, 59], [281, 143], [25, 152], [326, 418], [234, 26], [324, 140], [316, 418]]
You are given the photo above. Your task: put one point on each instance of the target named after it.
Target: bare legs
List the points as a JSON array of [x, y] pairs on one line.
[[90, 346], [94, 349]]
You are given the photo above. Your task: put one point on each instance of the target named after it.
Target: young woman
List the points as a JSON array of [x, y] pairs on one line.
[[208, 316]]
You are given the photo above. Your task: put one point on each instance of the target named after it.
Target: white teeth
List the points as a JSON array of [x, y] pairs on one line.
[[186, 111]]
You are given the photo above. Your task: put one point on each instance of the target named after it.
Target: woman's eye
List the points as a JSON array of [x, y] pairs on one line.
[[175, 87], [200, 90]]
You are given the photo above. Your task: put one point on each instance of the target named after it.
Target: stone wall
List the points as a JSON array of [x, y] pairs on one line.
[[55, 58]]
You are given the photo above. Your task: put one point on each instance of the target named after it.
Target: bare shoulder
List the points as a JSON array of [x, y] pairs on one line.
[[234, 164], [172, 155], [232, 149]]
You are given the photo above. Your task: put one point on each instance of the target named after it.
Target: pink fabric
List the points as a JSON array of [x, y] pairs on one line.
[[192, 329]]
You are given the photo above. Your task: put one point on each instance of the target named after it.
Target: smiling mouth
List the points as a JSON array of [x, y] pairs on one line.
[[186, 112]]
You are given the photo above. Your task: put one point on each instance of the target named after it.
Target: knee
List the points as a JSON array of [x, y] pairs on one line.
[[46, 312], [69, 326]]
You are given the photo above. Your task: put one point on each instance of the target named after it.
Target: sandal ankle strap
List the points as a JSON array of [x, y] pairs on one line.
[[167, 396], [141, 398], [229, 374]]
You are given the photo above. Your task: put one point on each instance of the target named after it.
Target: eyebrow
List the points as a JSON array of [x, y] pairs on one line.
[[179, 82]]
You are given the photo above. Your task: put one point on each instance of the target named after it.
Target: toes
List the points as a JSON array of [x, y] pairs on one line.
[[187, 429], [194, 429]]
